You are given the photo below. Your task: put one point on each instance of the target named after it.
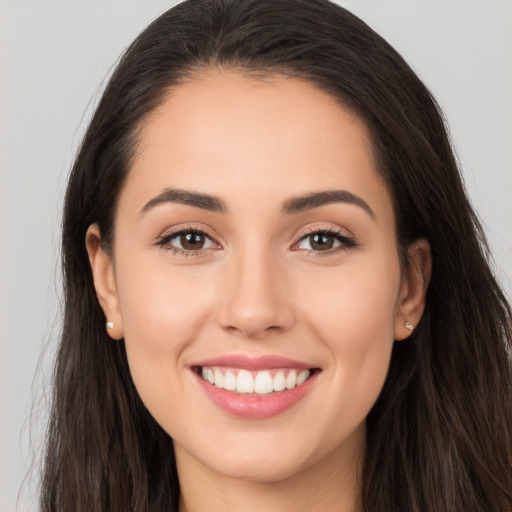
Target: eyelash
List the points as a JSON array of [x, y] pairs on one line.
[[346, 242], [164, 241]]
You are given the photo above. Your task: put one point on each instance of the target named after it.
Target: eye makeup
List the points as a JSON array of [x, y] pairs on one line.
[[191, 240], [187, 237], [326, 240]]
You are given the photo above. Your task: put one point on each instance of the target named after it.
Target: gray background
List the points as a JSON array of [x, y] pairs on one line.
[[54, 56]]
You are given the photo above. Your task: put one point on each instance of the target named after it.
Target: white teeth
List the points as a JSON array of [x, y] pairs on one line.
[[263, 383], [260, 383], [219, 379], [230, 381], [302, 377], [279, 381], [291, 380], [244, 382]]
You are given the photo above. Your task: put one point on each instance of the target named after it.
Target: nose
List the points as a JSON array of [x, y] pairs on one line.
[[256, 300]]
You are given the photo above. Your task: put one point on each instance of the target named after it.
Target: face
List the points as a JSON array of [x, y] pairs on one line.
[[255, 276]]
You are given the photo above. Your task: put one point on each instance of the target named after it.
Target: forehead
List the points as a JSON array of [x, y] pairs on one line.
[[246, 138]]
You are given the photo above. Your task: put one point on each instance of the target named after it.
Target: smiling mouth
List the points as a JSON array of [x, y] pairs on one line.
[[256, 383]]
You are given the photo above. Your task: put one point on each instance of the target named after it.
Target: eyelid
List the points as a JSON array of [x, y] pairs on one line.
[[316, 228], [164, 239], [345, 238]]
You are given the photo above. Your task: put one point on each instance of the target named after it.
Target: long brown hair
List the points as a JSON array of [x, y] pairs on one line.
[[439, 436]]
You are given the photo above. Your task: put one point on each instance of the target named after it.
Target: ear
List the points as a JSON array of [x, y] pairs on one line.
[[102, 267], [413, 288]]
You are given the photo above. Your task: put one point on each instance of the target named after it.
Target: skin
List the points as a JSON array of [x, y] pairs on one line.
[[259, 288]]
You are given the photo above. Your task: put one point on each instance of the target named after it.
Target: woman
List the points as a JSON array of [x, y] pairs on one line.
[[277, 295]]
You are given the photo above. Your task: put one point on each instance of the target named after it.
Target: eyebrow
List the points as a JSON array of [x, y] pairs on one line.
[[188, 197], [307, 202], [294, 205]]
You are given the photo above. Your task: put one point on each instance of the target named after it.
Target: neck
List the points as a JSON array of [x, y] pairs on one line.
[[334, 483]]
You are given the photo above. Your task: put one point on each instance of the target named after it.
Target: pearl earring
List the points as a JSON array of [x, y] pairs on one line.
[[110, 325], [409, 326]]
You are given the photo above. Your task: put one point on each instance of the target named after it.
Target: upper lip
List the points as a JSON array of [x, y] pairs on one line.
[[267, 362]]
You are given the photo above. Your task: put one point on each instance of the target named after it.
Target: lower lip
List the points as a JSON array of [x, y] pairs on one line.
[[256, 407]]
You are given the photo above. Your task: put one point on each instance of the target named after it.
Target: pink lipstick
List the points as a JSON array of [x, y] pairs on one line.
[[255, 388]]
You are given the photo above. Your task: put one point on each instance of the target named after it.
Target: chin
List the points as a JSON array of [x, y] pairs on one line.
[[259, 469], [257, 457]]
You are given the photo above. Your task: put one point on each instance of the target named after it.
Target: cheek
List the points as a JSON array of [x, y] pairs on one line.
[[355, 303], [355, 320], [160, 305], [163, 311]]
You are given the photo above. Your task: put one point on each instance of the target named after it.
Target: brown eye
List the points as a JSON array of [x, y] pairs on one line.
[[321, 241], [192, 241], [328, 241], [187, 242]]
